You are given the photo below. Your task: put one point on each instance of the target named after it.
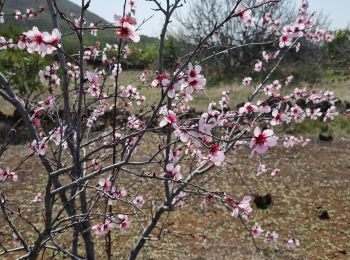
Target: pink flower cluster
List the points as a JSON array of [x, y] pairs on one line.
[[50, 73], [40, 147], [262, 140], [4, 44], [20, 16], [240, 208], [302, 27], [7, 174], [41, 43], [131, 94], [122, 220], [126, 30]]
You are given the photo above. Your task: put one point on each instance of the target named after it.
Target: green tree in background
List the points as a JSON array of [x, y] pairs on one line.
[[22, 68], [339, 51]]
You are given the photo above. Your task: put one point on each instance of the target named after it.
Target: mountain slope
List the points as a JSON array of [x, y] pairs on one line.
[[44, 20], [44, 23]]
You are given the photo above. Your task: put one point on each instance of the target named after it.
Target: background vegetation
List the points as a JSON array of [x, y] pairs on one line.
[[323, 65]]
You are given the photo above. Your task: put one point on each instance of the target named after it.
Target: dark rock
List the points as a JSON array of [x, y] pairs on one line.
[[347, 105], [301, 102], [343, 252], [325, 137], [263, 202], [324, 106], [324, 215]]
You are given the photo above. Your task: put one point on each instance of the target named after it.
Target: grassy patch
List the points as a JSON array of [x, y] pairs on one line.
[[339, 126], [339, 84]]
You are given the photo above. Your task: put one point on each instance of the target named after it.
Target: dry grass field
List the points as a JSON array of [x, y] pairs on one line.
[[313, 179]]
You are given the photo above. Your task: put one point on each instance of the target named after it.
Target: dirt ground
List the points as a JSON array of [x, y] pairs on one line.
[[313, 179]]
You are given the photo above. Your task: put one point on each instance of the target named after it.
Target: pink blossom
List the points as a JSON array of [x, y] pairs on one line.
[[42, 43], [289, 79], [54, 39], [275, 172], [285, 40], [50, 74], [315, 98], [269, 90], [297, 114], [292, 243], [94, 88], [266, 56], [143, 77], [328, 37], [128, 91], [328, 95], [103, 229], [37, 198], [245, 15], [173, 171], [116, 69], [138, 201], [249, 21], [242, 208], [224, 102], [193, 72], [95, 164], [171, 88], [169, 118], [57, 135], [216, 155], [179, 200], [331, 113], [276, 84], [126, 51], [256, 230], [248, 108], [278, 118], [40, 148], [126, 29], [263, 107], [125, 223], [247, 81], [36, 41], [267, 19], [159, 79], [261, 169], [105, 184], [271, 238], [205, 240], [4, 174], [258, 66], [244, 12], [205, 126], [314, 114], [120, 193], [117, 194], [182, 134], [262, 140], [195, 84], [18, 15], [174, 155], [291, 141], [93, 32]]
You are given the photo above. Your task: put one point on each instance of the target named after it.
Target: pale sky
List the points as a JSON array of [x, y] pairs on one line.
[[337, 10]]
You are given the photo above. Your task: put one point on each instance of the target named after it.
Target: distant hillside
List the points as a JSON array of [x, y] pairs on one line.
[[44, 23]]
